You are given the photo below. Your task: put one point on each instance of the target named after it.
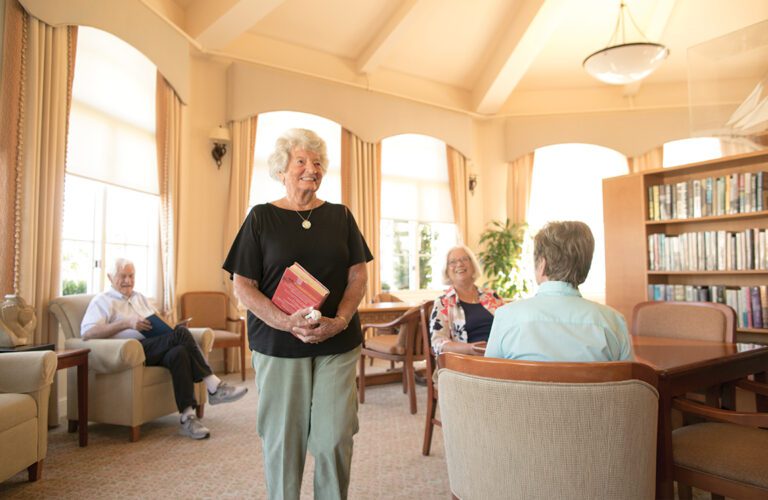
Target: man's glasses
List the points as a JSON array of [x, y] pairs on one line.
[[460, 260]]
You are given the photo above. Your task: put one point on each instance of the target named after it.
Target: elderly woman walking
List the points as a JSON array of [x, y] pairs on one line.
[[305, 368]]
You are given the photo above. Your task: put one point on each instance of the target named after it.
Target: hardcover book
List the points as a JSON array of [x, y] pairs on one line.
[[298, 289], [160, 327]]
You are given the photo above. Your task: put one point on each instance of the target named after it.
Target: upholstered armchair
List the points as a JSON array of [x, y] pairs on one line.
[[538, 430], [25, 386], [121, 390]]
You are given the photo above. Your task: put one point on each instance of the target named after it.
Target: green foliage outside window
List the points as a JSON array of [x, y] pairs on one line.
[[502, 245], [72, 287], [426, 237]]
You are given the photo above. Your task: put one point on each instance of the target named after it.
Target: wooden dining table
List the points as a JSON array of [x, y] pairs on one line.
[[684, 366]]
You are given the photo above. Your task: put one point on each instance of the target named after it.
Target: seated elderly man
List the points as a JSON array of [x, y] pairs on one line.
[[122, 313], [558, 324]]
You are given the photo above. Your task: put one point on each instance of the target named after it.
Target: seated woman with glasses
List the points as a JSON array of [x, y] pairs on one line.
[[462, 317]]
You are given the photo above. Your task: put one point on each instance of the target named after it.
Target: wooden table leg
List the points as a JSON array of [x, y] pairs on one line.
[[82, 401], [760, 400]]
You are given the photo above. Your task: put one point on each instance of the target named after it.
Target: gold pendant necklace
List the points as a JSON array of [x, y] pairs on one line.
[[305, 222]]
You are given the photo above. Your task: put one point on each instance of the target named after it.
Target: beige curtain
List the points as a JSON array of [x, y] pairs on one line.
[[168, 136], [243, 144], [739, 145], [647, 161], [361, 192], [10, 132], [458, 179], [519, 179], [45, 75]]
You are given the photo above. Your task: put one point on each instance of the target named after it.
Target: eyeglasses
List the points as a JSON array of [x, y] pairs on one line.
[[460, 260]]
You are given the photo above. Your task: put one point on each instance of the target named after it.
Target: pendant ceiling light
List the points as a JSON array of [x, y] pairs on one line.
[[621, 62]]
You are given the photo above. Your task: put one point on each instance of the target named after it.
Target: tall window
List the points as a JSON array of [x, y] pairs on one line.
[[111, 201], [691, 150], [567, 185], [271, 126], [417, 226]]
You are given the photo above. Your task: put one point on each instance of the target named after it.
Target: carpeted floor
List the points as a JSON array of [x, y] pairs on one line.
[[387, 460]]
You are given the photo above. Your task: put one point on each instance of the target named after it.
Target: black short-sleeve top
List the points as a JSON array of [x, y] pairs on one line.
[[270, 240]]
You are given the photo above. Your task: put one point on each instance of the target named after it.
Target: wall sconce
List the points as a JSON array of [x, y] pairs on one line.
[[472, 183], [220, 137]]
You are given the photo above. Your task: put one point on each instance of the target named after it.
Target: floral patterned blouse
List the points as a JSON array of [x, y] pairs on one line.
[[447, 321]]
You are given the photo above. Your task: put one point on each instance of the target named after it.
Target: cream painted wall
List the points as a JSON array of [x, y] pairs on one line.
[[204, 188], [255, 89], [629, 132]]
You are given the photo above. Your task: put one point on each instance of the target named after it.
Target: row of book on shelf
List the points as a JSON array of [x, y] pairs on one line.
[[749, 302], [735, 193], [709, 251]]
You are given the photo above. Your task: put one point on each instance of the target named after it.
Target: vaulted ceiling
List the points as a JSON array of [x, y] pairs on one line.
[[485, 57]]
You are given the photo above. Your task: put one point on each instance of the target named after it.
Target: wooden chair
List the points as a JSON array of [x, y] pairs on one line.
[[432, 420], [405, 346], [688, 320], [537, 430], [385, 297], [209, 309], [727, 456]]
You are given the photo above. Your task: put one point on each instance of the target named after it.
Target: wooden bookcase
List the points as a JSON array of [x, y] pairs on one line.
[[627, 227]]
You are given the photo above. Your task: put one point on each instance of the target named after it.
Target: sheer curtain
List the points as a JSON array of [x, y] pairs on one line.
[[10, 127], [243, 149], [361, 192], [168, 135], [457, 180], [44, 96], [519, 180], [647, 161]]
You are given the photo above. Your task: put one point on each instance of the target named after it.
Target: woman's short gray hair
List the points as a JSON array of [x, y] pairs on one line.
[[567, 248], [291, 138], [472, 259]]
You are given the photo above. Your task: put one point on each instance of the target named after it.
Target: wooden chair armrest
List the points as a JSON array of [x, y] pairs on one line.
[[719, 415], [395, 322], [752, 386]]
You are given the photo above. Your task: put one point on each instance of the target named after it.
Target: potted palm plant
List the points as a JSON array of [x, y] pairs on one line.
[[502, 246]]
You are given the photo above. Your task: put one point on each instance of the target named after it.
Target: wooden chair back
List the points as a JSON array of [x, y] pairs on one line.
[[689, 320], [405, 347], [537, 371], [541, 430]]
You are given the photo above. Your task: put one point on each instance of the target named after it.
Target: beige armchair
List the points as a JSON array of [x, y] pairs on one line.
[[25, 385], [121, 390], [516, 429]]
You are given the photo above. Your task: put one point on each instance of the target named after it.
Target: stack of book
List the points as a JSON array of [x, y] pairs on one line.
[[709, 251], [735, 193], [749, 302]]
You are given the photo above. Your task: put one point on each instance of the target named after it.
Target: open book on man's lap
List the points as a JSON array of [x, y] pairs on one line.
[[160, 327]]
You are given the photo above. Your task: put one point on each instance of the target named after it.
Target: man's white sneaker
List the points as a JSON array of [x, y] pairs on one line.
[[226, 393], [192, 427]]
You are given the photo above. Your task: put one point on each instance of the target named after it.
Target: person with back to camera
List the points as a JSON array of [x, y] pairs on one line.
[[461, 318], [558, 324], [305, 367], [121, 313]]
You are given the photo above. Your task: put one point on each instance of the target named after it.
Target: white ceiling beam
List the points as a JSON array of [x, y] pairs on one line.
[[653, 32], [528, 32], [384, 40], [239, 18]]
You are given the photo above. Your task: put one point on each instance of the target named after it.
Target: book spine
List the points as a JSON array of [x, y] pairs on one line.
[[757, 309]]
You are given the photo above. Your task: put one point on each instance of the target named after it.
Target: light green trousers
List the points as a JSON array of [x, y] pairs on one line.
[[307, 403]]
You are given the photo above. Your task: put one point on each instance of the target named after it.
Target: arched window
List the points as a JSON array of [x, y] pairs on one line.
[[691, 150], [417, 225], [567, 185], [271, 126], [111, 201]]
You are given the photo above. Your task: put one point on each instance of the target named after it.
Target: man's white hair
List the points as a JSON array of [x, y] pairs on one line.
[[119, 263]]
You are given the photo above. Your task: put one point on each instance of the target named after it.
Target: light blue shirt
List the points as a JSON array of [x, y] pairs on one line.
[[558, 324]]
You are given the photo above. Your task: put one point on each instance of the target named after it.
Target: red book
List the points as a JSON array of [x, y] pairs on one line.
[[298, 289]]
